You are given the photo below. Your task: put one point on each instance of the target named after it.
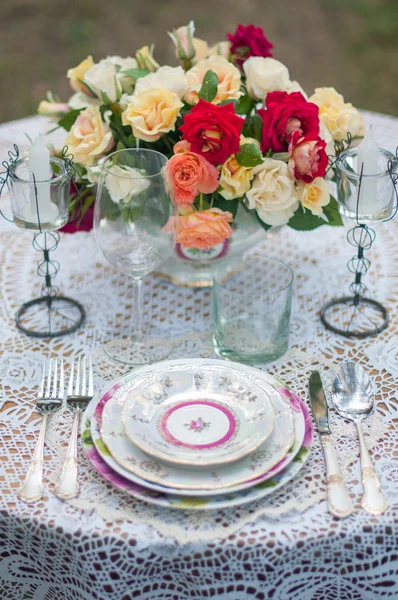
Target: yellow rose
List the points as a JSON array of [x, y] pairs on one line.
[[201, 49], [89, 137], [339, 117], [145, 58], [220, 49], [76, 75], [315, 195], [152, 113], [228, 75], [235, 179]]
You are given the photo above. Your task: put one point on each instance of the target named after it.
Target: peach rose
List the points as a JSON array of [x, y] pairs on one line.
[[204, 229], [183, 41], [52, 109], [188, 174], [152, 113], [89, 137], [228, 75], [315, 195], [76, 75], [220, 49]]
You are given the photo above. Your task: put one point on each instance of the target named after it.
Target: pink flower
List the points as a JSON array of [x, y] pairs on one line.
[[188, 174], [196, 425], [308, 158], [204, 229]]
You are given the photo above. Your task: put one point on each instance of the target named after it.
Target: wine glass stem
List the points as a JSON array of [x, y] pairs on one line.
[[137, 300]]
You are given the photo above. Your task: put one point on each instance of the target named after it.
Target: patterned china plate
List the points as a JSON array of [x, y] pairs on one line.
[[258, 490], [190, 414]]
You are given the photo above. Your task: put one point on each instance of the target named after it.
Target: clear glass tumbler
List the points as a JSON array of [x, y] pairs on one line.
[[251, 310]]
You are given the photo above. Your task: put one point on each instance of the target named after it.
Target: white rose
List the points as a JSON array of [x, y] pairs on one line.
[[273, 194], [294, 86], [168, 78], [102, 80], [123, 64], [265, 75], [123, 183], [80, 100]]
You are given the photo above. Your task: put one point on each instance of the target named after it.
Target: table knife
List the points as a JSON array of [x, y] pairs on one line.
[[339, 500]]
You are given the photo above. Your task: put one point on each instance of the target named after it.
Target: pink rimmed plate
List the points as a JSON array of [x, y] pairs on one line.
[[277, 477], [198, 414]]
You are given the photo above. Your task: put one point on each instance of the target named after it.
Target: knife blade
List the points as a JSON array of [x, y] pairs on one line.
[[339, 501]]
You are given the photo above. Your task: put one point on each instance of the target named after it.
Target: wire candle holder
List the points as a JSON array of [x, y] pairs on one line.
[[355, 315], [43, 206]]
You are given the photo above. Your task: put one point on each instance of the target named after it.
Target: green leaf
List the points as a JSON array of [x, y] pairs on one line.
[[136, 73], [252, 127], [86, 436], [208, 91], [69, 119], [102, 448], [249, 156], [226, 205], [244, 105], [332, 213], [305, 220]]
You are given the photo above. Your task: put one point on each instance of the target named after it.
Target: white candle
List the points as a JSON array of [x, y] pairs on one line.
[[368, 154], [40, 168]]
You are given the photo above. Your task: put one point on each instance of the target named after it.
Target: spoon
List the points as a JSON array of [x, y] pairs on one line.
[[353, 398]]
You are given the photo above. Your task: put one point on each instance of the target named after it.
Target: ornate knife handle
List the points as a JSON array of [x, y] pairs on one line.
[[373, 499], [68, 485], [32, 488], [339, 500]]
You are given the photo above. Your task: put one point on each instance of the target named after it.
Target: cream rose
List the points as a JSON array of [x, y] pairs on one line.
[[123, 183], [102, 80], [273, 194], [76, 75], [167, 78], [339, 117], [220, 49], [265, 75], [89, 137], [152, 113], [80, 100], [294, 86], [228, 75], [315, 195], [201, 49], [234, 178]]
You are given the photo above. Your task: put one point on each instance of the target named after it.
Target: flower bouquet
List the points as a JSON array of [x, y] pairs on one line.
[[241, 136]]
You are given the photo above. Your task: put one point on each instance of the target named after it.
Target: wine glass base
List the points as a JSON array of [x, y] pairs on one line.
[[132, 352]]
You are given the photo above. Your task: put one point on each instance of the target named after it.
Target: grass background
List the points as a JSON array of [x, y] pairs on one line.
[[350, 44]]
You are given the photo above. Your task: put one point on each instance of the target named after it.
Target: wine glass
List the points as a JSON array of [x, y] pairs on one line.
[[135, 228]]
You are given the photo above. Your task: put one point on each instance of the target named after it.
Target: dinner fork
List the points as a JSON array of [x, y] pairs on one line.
[[80, 392], [49, 400]]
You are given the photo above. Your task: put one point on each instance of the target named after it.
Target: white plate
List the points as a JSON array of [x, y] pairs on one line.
[[191, 414], [221, 501]]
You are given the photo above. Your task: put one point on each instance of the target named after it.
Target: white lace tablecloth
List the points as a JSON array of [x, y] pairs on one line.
[[106, 546]]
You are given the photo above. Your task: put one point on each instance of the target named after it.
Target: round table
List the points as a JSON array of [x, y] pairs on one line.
[[103, 546]]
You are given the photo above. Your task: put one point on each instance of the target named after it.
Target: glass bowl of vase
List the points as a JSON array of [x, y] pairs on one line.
[[191, 267]]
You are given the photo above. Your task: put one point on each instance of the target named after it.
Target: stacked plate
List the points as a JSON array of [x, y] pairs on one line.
[[197, 433]]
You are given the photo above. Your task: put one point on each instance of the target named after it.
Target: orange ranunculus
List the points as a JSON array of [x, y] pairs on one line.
[[189, 174], [204, 229]]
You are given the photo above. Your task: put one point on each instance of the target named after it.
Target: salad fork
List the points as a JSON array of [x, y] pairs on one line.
[[80, 392], [49, 400]]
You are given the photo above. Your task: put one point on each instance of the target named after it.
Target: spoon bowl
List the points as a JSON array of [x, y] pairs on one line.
[[353, 394]]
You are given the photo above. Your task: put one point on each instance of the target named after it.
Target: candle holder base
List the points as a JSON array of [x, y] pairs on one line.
[[354, 317], [50, 316]]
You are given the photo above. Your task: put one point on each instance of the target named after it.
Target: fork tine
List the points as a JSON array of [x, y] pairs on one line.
[[62, 380], [54, 393], [77, 383], [84, 377], [70, 384], [90, 377], [48, 388], [40, 393]]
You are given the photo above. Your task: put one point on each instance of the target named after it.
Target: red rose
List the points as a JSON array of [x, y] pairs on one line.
[[248, 41], [285, 114], [213, 131], [308, 158], [85, 224]]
